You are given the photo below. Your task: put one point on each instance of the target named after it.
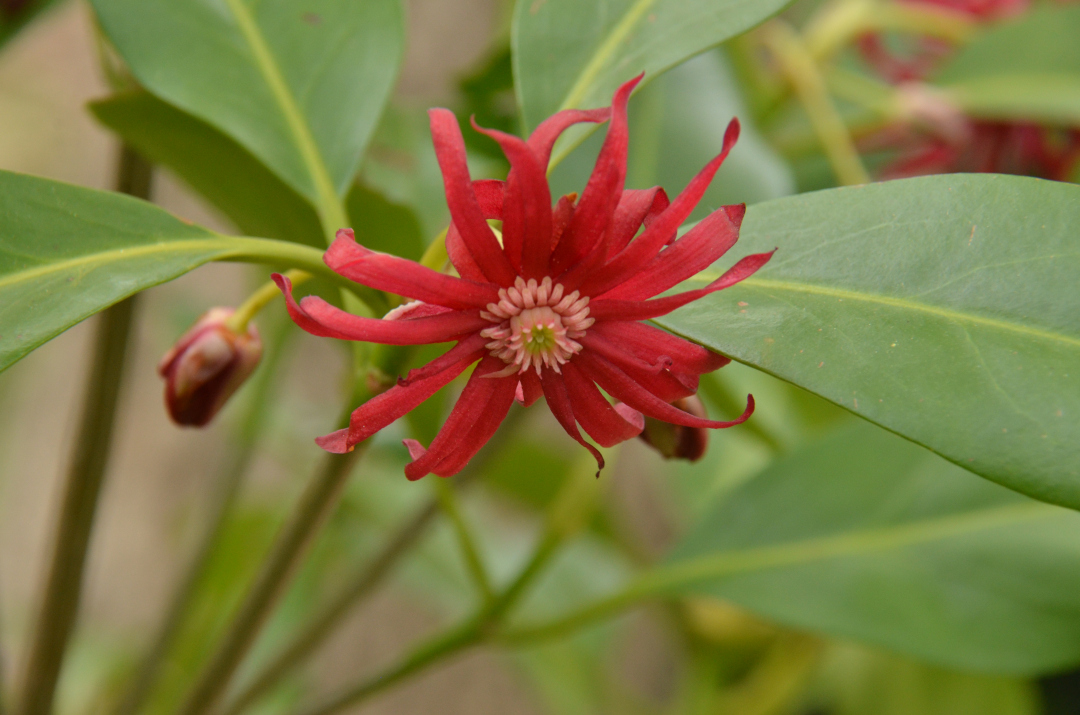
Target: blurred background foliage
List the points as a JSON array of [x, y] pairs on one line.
[[830, 607]]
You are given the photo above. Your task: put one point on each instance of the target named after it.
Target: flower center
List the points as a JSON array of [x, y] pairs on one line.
[[536, 325]]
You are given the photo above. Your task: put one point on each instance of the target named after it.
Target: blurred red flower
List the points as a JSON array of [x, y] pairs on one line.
[[554, 309]]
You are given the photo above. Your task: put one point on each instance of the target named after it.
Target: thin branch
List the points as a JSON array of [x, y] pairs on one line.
[[311, 512], [469, 550], [82, 488], [227, 486]]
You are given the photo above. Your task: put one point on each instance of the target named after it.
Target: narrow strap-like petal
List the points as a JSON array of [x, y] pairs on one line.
[[472, 347], [382, 410], [702, 246], [595, 414], [603, 190], [468, 411], [661, 382], [460, 257], [489, 194], [622, 387], [558, 401], [401, 276], [637, 206], [644, 248], [318, 317], [464, 207], [526, 208], [603, 309], [560, 217], [650, 343], [531, 389], [542, 140]]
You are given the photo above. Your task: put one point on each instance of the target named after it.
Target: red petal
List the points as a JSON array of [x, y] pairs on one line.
[[531, 389], [527, 207], [542, 140], [650, 343], [460, 198], [461, 258], [489, 194], [473, 409], [471, 346], [603, 191], [702, 246], [320, 318], [645, 247], [382, 410], [560, 217], [662, 383], [595, 414], [622, 387], [400, 276], [635, 207], [602, 309], [558, 400]]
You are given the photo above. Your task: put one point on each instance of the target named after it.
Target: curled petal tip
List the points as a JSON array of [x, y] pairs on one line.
[[336, 442], [736, 213], [345, 234], [731, 134]]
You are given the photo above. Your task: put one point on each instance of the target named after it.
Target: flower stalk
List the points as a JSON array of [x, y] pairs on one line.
[[59, 604], [470, 552]]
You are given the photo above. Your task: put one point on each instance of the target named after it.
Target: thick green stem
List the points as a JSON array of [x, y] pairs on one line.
[[802, 71], [59, 604], [227, 487], [311, 512]]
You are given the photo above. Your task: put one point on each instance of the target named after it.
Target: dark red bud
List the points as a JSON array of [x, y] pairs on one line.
[[676, 441], [206, 366]]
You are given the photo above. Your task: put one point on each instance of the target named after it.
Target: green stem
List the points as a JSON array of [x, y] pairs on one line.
[[362, 584], [714, 389], [469, 550], [802, 71], [266, 293], [227, 487], [63, 588], [839, 23], [313, 509]]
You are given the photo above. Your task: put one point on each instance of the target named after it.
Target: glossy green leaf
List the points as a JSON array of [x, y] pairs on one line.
[[298, 83], [574, 53], [866, 536], [67, 252], [943, 308], [258, 202]]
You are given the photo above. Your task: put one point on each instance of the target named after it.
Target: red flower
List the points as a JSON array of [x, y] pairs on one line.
[[553, 309]]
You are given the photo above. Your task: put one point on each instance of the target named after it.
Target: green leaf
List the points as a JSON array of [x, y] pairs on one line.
[[574, 53], [1025, 69], [258, 202], [942, 308], [298, 83], [67, 252], [865, 536], [234, 181]]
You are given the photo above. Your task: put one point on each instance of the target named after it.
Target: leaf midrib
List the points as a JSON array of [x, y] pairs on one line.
[[298, 127], [903, 303]]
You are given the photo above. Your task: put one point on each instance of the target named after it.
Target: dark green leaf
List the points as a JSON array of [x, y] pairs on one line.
[[574, 53], [67, 252], [943, 308], [299, 83], [869, 537]]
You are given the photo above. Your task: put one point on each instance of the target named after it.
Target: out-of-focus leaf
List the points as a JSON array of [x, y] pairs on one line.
[[488, 95], [298, 83], [255, 199], [1049, 99], [942, 308], [383, 225], [677, 124], [67, 252], [1040, 42], [574, 53], [17, 14], [860, 681], [866, 536]]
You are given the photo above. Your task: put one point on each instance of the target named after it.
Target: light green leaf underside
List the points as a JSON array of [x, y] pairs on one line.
[[67, 252], [886, 543], [574, 53], [942, 308], [298, 83]]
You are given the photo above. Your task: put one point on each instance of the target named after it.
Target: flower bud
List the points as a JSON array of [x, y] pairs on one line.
[[676, 441], [206, 366]]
